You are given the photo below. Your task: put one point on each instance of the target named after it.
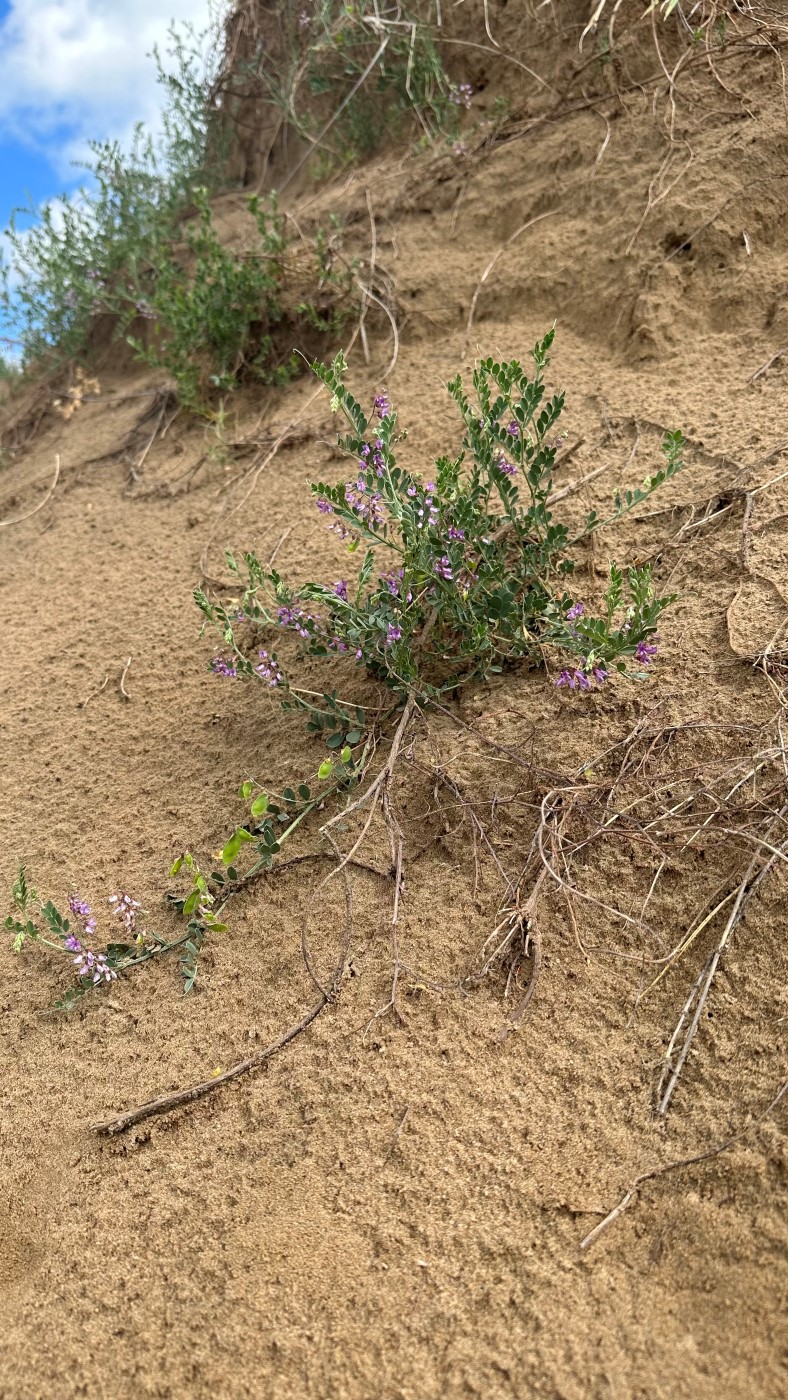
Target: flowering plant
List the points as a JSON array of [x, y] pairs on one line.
[[461, 574], [38, 920]]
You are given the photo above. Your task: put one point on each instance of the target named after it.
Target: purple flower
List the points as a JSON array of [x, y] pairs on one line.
[[72, 944], [411, 491], [340, 588], [293, 616], [368, 506], [506, 467], [575, 611], [223, 666], [513, 429], [443, 568], [325, 507], [455, 534], [644, 653], [94, 966], [431, 487], [125, 908], [461, 94], [578, 678], [573, 679], [336, 644], [382, 406], [82, 911], [393, 634], [268, 670], [365, 451]]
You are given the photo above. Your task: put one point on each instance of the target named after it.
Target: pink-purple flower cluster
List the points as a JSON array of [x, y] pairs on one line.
[[125, 908], [94, 966], [577, 679], [368, 504], [291, 615], [268, 669], [382, 406], [443, 568], [505, 466], [644, 653], [575, 611], [427, 512], [82, 911], [224, 666], [340, 589], [461, 94], [370, 458], [86, 962]]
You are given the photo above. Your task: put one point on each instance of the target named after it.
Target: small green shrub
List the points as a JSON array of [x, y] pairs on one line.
[[215, 317], [462, 575], [346, 78], [92, 254]]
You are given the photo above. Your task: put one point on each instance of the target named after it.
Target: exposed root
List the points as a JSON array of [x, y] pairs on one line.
[[17, 519], [632, 1190]]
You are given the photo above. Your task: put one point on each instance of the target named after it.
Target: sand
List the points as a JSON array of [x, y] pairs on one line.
[[394, 1209]]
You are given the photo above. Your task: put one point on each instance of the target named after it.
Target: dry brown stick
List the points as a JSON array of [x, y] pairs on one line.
[[527, 918], [639, 1181], [501, 748], [17, 519], [397, 1133], [373, 252], [762, 369], [577, 485], [747, 888], [491, 264], [317, 140], [167, 1103], [84, 703], [123, 690]]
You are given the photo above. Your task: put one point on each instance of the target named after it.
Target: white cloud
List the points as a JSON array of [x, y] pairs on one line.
[[72, 70]]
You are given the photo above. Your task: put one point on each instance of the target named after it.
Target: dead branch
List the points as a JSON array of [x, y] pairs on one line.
[[632, 1190], [17, 519]]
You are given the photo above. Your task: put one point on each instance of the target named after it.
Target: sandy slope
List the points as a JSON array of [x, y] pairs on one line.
[[293, 1236]]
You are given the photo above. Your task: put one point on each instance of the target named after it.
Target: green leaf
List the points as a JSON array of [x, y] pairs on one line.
[[304, 792], [231, 849], [335, 741]]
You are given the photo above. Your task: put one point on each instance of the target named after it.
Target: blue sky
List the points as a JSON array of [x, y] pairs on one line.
[[71, 71]]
